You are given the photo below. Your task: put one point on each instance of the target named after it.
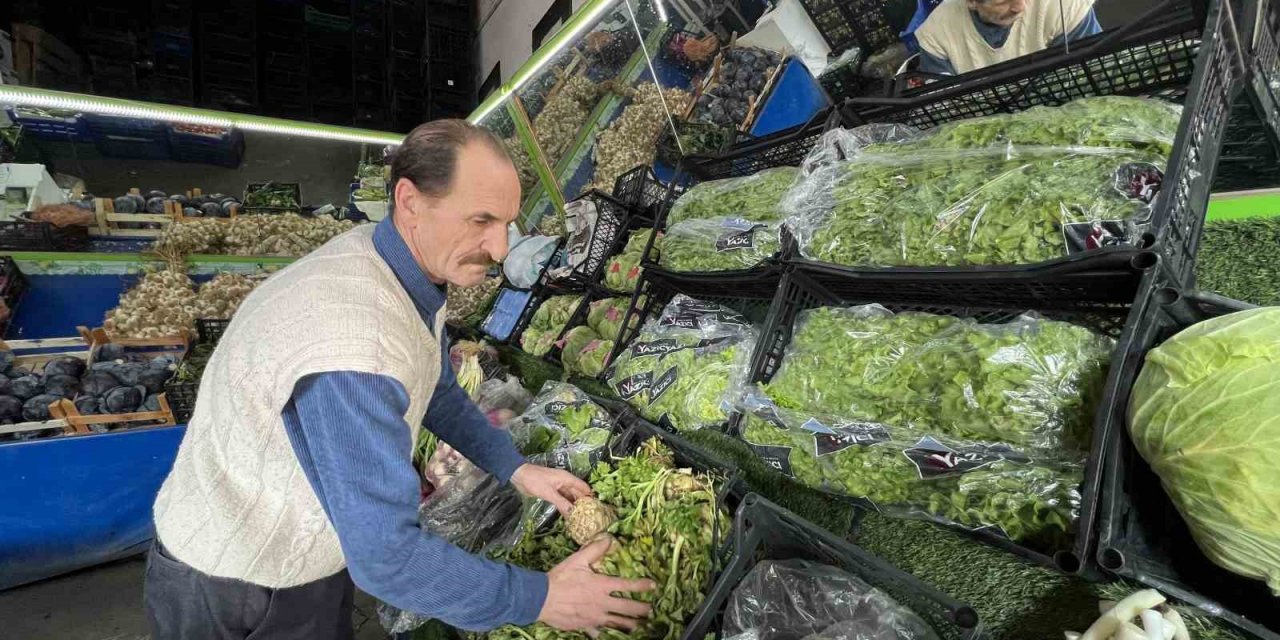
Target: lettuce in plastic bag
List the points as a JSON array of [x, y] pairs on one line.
[[755, 197], [719, 244]]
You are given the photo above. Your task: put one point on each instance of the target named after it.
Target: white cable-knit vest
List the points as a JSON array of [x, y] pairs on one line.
[[237, 504], [949, 32]]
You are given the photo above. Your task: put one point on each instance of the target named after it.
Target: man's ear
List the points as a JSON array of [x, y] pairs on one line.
[[405, 194]]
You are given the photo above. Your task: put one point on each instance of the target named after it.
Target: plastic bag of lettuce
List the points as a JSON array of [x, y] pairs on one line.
[[1205, 414], [1030, 382], [901, 470], [1007, 189], [719, 244], [754, 197], [681, 366]]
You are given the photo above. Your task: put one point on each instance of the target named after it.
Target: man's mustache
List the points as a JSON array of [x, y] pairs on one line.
[[481, 259]]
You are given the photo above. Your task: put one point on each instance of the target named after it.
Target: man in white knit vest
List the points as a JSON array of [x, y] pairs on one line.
[[295, 476], [963, 35]]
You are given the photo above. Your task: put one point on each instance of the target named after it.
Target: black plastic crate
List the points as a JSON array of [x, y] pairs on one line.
[[869, 24], [171, 89], [223, 149], [831, 23], [445, 43], [1098, 297], [451, 77], [1141, 536], [451, 15], [254, 187], [784, 148], [752, 294], [23, 235], [764, 531], [69, 128], [611, 224], [1152, 56], [182, 394], [642, 191], [210, 330]]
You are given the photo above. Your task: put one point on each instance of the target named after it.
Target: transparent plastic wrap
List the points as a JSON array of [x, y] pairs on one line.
[[682, 365], [755, 197], [719, 244], [1142, 124], [891, 206], [547, 323], [797, 599], [1022, 493], [1029, 382], [622, 272]]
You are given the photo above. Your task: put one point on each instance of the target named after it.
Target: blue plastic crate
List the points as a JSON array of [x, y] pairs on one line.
[[72, 128], [224, 149], [120, 137]]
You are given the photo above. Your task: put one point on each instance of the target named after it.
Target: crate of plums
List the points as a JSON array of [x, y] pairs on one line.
[[88, 383]]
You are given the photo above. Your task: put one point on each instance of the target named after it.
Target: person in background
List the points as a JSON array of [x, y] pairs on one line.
[[963, 35], [295, 476]]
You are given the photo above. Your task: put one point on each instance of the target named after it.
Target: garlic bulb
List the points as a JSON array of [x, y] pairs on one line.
[[162, 304], [252, 235], [221, 296], [632, 139]]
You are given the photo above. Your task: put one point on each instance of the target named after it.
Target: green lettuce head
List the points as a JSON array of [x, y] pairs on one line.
[[1205, 414]]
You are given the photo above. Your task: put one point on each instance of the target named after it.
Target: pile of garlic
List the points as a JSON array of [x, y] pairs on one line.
[[251, 235], [221, 296], [161, 304], [464, 302], [564, 114], [632, 139]]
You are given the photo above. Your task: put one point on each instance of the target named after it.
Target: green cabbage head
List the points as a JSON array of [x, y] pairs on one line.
[[1205, 414]]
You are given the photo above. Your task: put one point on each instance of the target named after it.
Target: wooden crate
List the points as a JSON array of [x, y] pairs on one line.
[[108, 221], [35, 353], [713, 77], [179, 216]]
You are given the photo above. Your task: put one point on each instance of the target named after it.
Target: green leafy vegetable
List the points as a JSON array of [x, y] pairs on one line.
[[1205, 414], [718, 244], [1029, 382], [548, 322], [682, 365], [755, 197], [1238, 259]]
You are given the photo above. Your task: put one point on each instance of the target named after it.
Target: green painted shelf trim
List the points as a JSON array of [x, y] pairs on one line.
[[1244, 204], [50, 256]]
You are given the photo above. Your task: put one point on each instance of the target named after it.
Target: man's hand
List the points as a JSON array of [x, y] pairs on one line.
[[578, 598], [556, 486]]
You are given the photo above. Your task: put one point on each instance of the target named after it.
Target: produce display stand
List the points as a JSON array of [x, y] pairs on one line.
[[1141, 536], [644, 194], [24, 235], [1098, 299], [765, 531], [13, 287]]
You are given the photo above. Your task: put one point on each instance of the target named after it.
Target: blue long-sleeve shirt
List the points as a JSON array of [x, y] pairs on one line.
[[996, 36], [348, 431]]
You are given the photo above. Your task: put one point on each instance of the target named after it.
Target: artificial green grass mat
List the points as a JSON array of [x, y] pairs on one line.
[[1241, 259]]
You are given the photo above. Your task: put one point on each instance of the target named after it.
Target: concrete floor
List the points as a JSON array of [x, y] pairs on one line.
[[105, 603]]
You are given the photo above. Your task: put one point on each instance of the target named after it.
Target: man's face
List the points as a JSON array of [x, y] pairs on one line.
[[457, 237], [999, 12]]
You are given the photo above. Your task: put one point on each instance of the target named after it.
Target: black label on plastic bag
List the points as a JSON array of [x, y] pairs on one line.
[[841, 436], [664, 421], [631, 387], [1087, 236], [934, 459], [734, 240], [767, 414], [660, 386], [1139, 181], [557, 407], [778, 458], [655, 348], [682, 320]]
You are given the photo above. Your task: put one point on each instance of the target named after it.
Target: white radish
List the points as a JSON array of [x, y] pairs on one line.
[[1179, 627], [1130, 631], [1124, 611], [1105, 606], [1153, 624]]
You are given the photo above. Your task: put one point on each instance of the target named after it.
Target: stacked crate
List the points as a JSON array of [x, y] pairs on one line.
[[170, 68], [109, 40], [282, 52], [227, 59], [407, 31], [451, 58], [329, 56], [369, 64]]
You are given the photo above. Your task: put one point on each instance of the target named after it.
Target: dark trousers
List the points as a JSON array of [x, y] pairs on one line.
[[184, 604]]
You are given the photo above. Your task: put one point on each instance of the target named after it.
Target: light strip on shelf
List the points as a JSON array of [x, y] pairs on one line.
[[580, 22], [28, 96], [661, 6]]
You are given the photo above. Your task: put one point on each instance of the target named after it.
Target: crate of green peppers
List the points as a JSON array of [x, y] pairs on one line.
[[272, 197]]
